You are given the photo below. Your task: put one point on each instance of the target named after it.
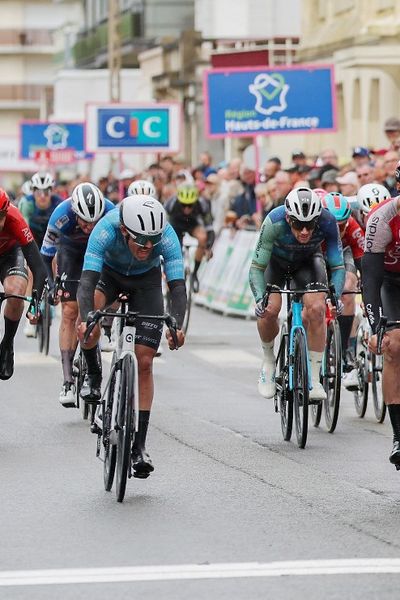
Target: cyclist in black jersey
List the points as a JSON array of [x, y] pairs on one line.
[[187, 212]]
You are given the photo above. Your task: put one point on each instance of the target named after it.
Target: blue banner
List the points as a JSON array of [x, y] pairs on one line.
[[62, 138], [250, 102], [133, 127]]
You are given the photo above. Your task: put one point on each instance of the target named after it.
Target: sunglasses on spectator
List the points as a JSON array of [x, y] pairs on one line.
[[299, 225]]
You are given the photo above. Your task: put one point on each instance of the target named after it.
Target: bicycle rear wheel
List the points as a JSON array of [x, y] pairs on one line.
[[125, 424], [362, 366], [284, 395], [332, 379], [377, 397], [300, 387], [110, 450]]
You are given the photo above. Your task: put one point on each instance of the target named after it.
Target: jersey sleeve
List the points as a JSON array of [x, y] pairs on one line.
[[172, 254], [19, 229], [378, 234], [357, 239], [334, 255], [102, 237], [261, 257], [54, 229]]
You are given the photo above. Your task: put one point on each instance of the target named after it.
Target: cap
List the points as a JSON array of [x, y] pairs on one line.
[[360, 151], [212, 178], [329, 176], [298, 154], [126, 174], [349, 178], [392, 124]]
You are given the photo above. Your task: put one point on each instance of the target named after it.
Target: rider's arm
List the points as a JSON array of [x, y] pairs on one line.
[[85, 294], [334, 253], [372, 278], [177, 290], [174, 272], [36, 265], [261, 258], [26, 207]]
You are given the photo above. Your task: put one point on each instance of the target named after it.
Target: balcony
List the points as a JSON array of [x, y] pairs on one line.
[[91, 48], [14, 41], [24, 96]]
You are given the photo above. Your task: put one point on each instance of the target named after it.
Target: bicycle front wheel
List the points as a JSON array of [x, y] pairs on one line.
[[110, 449], [125, 423], [300, 387], [377, 397], [362, 366], [46, 326], [284, 395], [332, 375]]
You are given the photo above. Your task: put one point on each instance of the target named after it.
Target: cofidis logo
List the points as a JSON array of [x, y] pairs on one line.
[[130, 128]]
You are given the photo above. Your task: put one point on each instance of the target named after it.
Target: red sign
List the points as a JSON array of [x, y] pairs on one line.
[[55, 156], [248, 58]]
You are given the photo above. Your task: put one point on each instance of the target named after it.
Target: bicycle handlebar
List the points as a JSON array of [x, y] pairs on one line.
[[33, 307], [270, 288], [94, 317], [383, 325]]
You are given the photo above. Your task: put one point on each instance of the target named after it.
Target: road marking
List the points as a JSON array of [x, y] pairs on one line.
[[33, 358], [360, 566], [227, 356]]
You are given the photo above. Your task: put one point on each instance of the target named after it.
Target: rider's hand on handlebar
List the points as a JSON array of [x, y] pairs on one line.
[[81, 331], [373, 343], [180, 338], [259, 309]]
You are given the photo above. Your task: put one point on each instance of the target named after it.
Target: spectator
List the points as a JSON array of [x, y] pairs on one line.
[[390, 161], [244, 205], [329, 182], [392, 131], [126, 177], [379, 171], [283, 187], [272, 166], [349, 183], [205, 165], [365, 174], [234, 168], [102, 184], [299, 158], [328, 157], [168, 166], [264, 203], [360, 156], [218, 204], [112, 192]]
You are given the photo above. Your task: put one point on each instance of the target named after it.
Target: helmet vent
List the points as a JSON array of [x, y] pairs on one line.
[[141, 222], [153, 223]]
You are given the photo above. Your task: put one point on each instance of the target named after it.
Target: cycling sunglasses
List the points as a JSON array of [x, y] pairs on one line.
[[299, 225], [46, 192], [141, 239]]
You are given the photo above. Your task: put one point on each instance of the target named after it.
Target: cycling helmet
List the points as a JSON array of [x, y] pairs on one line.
[[303, 204], [42, 181], [338, 205], [187, 193], [4, 200], [87, 202], [369, 194], [142, 187], [397, 172], [144, 218]]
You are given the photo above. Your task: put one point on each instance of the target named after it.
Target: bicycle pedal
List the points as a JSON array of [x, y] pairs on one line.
[[141, 475], [94, 428], [397, 467], [69, 405]]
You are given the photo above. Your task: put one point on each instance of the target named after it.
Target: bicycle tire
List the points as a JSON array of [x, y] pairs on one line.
[[362, 366], [316, 414], [284, 395], [333, 375], [125, 424], [110, 450], [300, 387], [46, 326], [377, 398], [189, 290], [79, 373]]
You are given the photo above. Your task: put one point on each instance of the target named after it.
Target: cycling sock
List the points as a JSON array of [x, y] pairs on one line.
[[352, 344], [67, 356], [196, 267], [93, 360], [315, 361], [10, 329], [268, 349], [345, 325], [140, 437], [107, 330], [394, 414]]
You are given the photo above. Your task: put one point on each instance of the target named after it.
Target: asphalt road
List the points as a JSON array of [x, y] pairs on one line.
[[228, 500]]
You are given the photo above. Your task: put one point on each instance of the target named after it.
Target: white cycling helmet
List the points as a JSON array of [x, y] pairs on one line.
[[369, 194], [42, 181], [144, 217], [87, 202], [303, 204], [142, 187]]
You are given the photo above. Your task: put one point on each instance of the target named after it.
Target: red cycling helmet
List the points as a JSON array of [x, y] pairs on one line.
[[4, 200]]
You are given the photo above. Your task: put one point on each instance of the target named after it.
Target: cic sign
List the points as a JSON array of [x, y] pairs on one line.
[[135, 128]]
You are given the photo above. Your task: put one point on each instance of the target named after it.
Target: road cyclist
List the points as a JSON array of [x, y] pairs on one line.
[[16, 245], [289, 244], [123, 257], [66, 238]]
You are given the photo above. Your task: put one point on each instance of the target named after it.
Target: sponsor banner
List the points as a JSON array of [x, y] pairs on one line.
[[9, 156], [264, 100], [135, 128], [52, 142]]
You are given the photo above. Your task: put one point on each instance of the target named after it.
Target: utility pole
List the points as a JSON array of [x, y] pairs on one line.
[[114, 50]]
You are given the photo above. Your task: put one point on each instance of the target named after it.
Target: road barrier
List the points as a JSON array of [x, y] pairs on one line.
[[224, 280]]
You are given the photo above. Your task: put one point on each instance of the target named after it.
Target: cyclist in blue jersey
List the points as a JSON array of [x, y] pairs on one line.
[[289, 243], [123, 256], [67, 235]]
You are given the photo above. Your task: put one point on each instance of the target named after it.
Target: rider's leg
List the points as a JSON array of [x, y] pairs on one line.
[[68, 343], [91, 390], [391, 390], [13, 284], [201, 235], [268, 328], [141, 461], [349, 309], [29, 329]]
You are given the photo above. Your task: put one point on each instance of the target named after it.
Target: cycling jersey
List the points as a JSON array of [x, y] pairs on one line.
[[381, 261], [276, 240], [15, 231], [37, 218], [200, 216], [63, 229], [354, 238], [107, 246]]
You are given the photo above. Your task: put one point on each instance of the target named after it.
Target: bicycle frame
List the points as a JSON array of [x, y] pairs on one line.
[[296, 323]]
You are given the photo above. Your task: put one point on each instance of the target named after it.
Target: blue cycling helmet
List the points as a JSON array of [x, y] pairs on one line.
[[337, 205]]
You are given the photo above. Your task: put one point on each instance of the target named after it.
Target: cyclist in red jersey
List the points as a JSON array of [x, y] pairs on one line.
[[16, 246], [381, 295]]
